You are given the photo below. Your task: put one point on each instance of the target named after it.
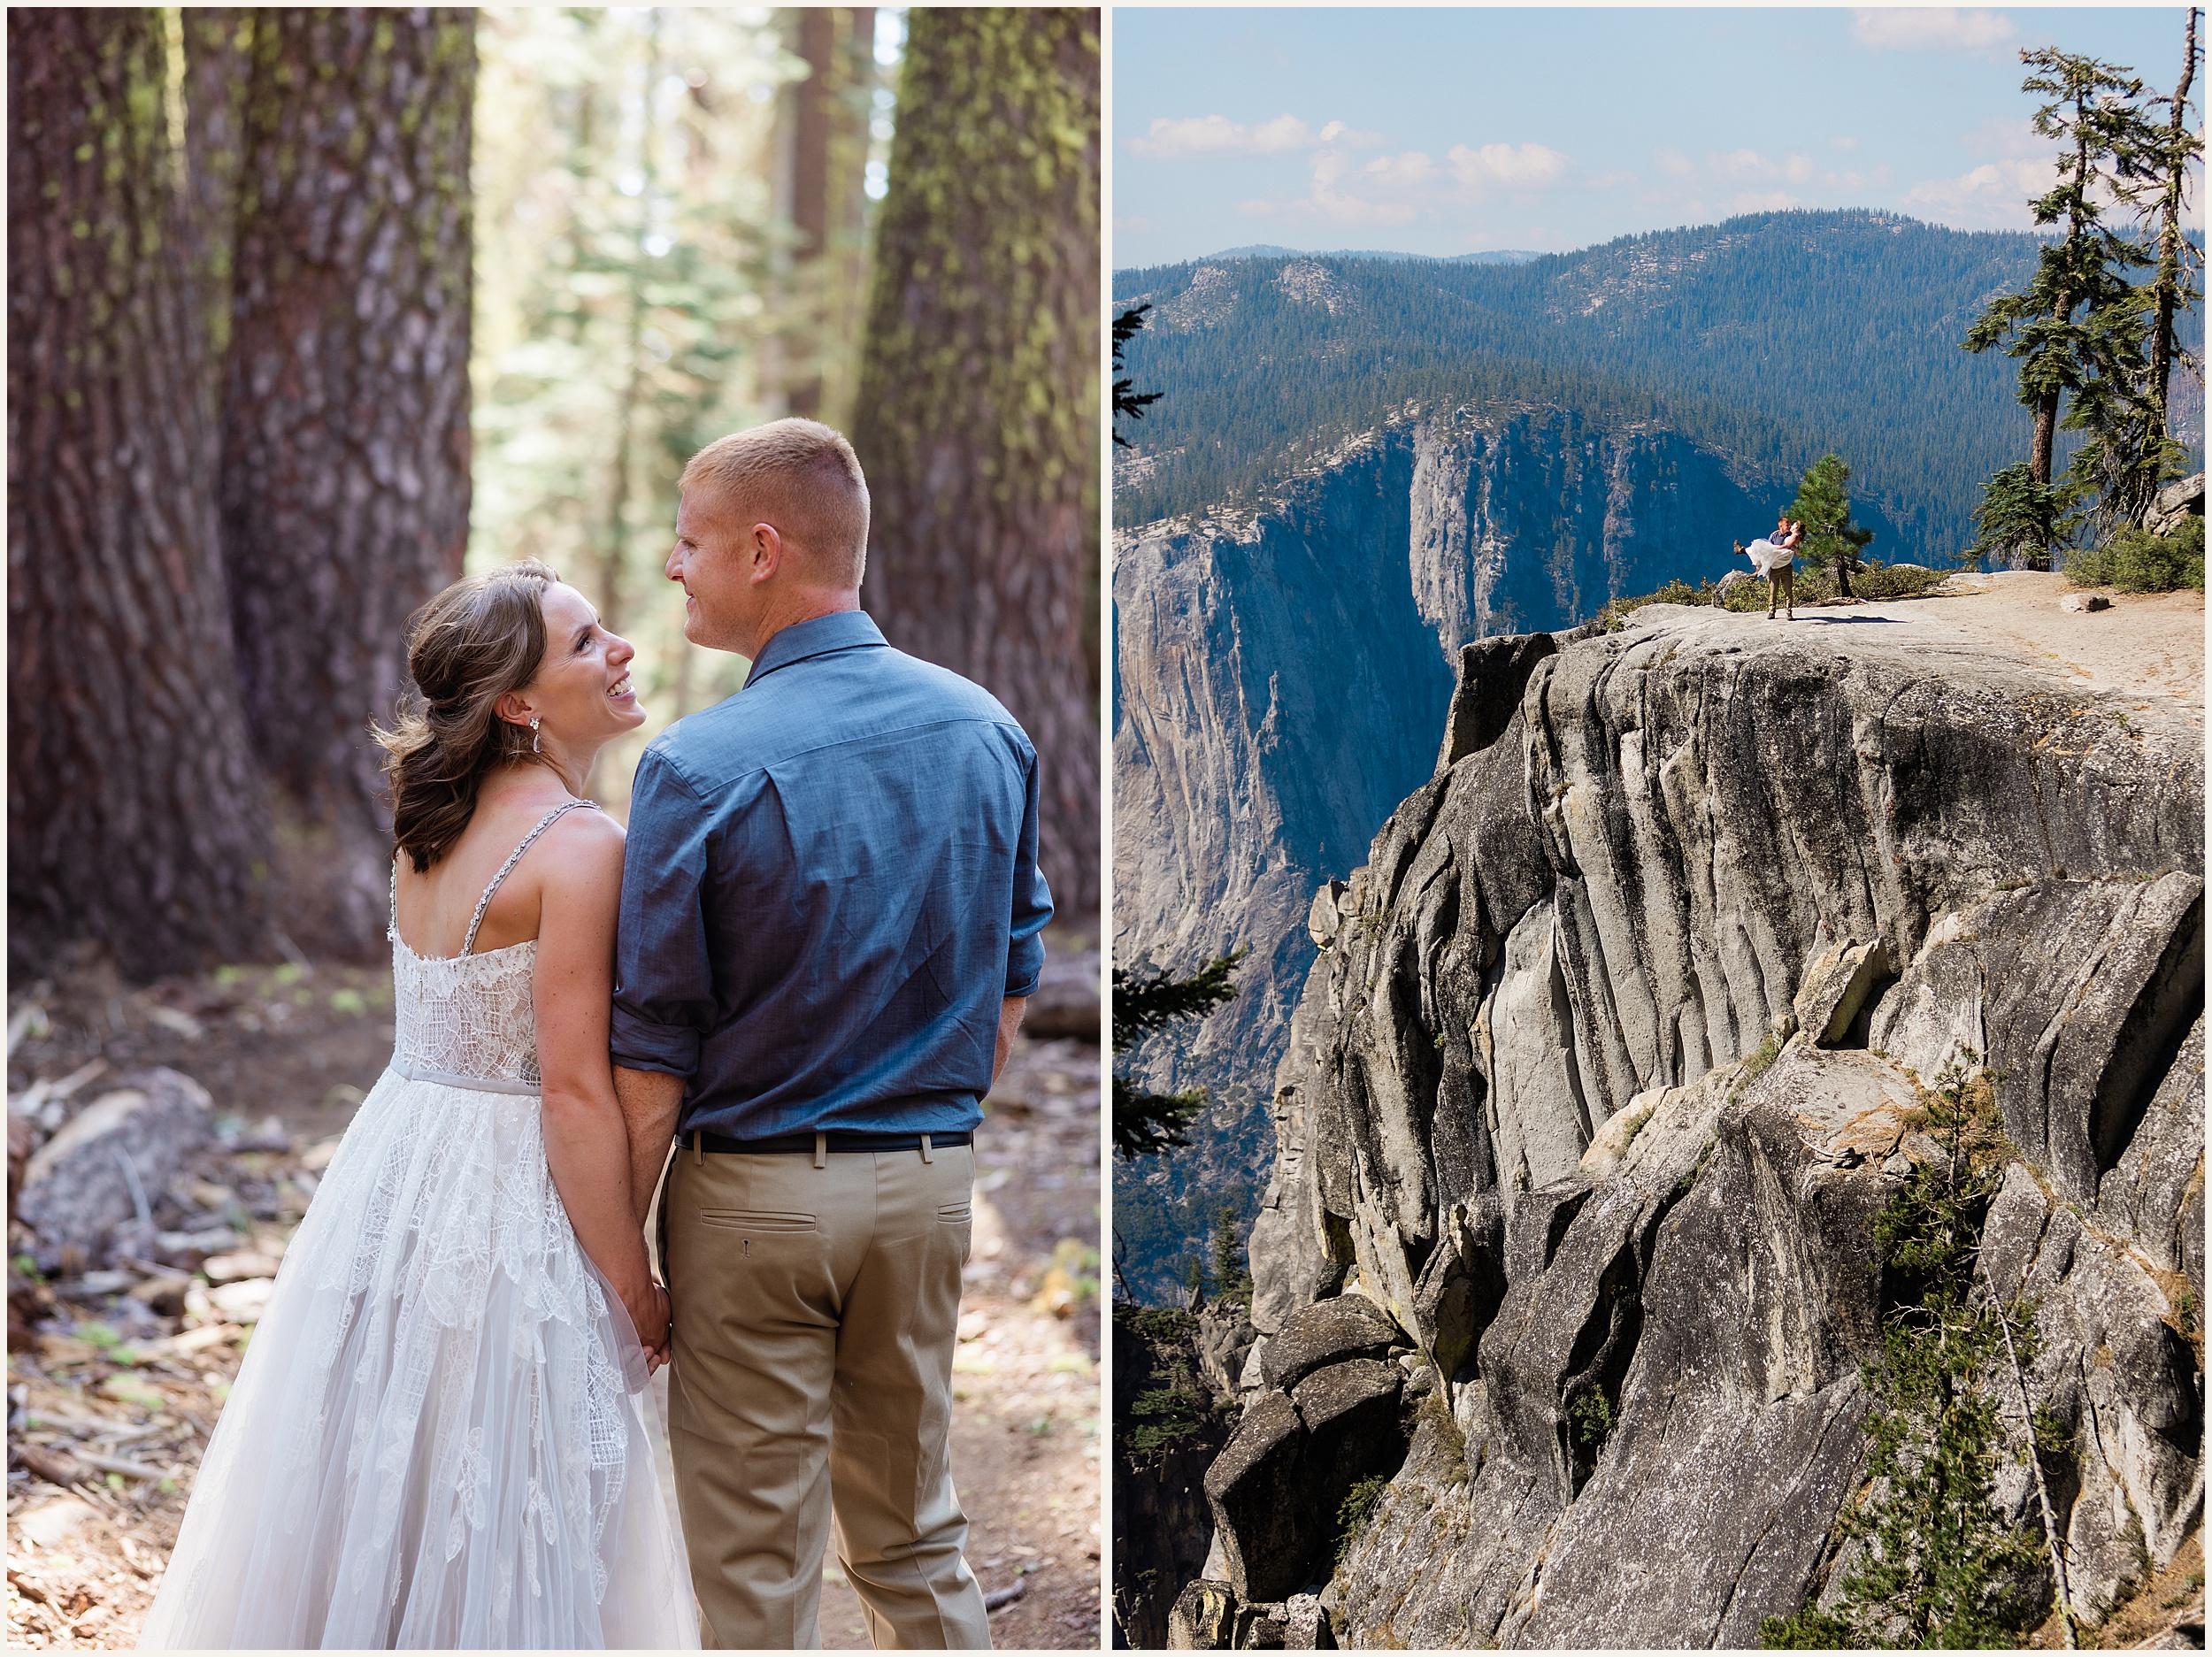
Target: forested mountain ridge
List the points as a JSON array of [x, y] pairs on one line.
[[1775, 337]]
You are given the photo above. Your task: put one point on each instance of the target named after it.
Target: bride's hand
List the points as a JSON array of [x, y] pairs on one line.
[[648, 1315], [656, 1351]]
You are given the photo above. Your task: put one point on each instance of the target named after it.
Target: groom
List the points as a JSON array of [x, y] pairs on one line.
[[831, 912]]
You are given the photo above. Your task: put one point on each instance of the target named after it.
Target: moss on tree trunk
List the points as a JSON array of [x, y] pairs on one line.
[[978, 417]]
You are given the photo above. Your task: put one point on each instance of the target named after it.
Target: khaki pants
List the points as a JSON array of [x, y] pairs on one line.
[[815, 1310], [1782, 589]]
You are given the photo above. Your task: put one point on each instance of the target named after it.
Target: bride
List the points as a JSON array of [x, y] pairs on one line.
[[438, 1437]]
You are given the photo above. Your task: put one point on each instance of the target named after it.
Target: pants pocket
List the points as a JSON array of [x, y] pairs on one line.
[[756, 1220], [956, 1213]]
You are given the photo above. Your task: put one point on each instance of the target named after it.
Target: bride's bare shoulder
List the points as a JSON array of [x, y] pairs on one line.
[[582, 845]]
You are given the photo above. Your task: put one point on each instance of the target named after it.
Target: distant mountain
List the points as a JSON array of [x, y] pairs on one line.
[[1269, 250], [1775, 338]]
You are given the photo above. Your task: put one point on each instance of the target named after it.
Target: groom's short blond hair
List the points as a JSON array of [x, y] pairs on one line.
[[801, 476]]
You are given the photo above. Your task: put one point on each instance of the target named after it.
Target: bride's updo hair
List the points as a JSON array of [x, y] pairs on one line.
[[479, 639]]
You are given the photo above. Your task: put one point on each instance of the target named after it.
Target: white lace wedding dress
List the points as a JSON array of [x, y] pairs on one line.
[[438, 1439]]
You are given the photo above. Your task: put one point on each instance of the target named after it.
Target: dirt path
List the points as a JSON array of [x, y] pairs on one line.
[[103, 1376]]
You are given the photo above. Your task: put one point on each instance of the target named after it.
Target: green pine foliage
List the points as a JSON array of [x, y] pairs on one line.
[[2019, 520], [1147, 1123], [1161, 1399], [1776, 338], [1232, 1278], [1832, 543], [1940, 1569]]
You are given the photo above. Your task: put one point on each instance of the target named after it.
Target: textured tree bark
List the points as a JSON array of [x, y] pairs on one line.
[[977, 420], [135, 818], [2169, 282], [344, 483], [829, 163]]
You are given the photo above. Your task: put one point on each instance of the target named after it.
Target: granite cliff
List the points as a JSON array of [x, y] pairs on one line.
[[1609, 1054], [1280, 676]]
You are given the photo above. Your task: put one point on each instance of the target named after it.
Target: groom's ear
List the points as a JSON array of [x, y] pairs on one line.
[[765, 550]]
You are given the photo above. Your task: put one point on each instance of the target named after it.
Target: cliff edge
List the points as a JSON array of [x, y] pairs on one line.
[[1611, 1054]]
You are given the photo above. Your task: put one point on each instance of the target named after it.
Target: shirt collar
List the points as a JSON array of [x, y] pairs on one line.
[[821, 636]]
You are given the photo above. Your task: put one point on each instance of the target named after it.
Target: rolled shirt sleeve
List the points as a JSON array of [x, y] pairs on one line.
[[664, 998], [1032, 900]]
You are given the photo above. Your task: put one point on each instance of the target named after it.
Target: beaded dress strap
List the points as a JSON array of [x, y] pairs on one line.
[[468, 944]]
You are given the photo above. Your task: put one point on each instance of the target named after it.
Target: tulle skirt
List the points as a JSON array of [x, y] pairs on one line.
[[438, 1439]]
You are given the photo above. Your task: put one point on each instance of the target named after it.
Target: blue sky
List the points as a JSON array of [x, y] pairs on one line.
[[1445, 131]]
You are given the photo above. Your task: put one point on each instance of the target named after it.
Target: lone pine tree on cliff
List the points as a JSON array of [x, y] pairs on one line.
[[1831, 540]]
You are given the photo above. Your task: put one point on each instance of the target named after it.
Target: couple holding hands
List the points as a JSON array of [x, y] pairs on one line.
[[802, 972]]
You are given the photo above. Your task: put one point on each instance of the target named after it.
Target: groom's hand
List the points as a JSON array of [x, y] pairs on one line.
[[1009, 1020]]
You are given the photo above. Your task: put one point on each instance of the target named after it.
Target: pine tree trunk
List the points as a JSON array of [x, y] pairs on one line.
[[2168, 283], [828, 159], [345, 442], [978, 394], [136, 817]]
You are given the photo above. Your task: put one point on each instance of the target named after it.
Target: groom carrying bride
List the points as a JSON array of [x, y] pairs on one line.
[[830, 921]]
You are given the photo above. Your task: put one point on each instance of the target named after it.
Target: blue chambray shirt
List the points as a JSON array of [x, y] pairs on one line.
[[831, 883]]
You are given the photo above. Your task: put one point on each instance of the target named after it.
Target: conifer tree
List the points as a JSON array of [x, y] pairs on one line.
[[1831, 541], [1145, 1122], [1232, 1276], [2172, 292], [1127, 399], [2062, 325]]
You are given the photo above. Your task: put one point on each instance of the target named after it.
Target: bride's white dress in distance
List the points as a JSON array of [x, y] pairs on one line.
[[438, 1437]]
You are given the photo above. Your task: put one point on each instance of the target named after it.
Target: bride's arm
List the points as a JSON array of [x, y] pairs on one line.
[[587, 1144]]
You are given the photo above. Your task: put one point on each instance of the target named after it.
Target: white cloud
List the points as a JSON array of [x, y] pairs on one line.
[[1403, 172], [1168, 139], [1843, 140], [1763, 202], [2016, 140], [1529, 166], [1748, 167], [1673, 164], [1256, 208], [1931, 29], [1992, 197]]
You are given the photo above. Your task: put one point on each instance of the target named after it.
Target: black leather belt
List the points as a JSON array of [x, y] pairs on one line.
[[805, 1144]]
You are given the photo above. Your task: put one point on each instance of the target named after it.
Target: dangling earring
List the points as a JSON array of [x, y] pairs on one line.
[[534, 735]]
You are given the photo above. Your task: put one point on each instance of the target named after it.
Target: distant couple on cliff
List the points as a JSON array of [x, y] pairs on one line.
[[1774, 556], [805, 969]]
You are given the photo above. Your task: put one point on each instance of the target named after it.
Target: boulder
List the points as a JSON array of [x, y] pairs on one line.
[[1203, 1617], [102, 1168], [1327, 1332], [1263, 1517], [1326, 916], [1836, 986], [2083, 603], [2174, 503]]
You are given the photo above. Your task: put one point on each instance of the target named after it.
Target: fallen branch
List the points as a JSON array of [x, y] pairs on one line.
[[1005, 1597]]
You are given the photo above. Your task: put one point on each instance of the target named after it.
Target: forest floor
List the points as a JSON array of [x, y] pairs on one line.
[[116, 1379]]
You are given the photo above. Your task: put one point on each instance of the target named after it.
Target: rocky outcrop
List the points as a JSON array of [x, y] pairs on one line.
[[1279, 676], [1613, 1049]]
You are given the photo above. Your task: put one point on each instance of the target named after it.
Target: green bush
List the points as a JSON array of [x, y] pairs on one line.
[[1357, 1505], [2136, 561]]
